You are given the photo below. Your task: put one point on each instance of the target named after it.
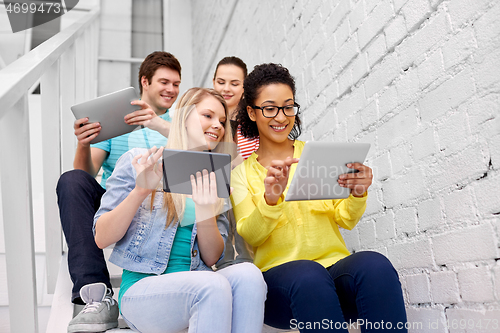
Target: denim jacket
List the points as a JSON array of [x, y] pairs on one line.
[[145, 247]]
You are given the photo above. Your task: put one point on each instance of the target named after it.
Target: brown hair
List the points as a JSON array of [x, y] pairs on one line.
[[156, 60], [232, 61]]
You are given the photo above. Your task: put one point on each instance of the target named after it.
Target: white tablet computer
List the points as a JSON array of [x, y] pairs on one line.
[[109, 110], [179, 165], [319, 168]]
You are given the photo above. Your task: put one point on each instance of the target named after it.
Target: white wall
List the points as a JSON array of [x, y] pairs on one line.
[[419, 79], [177, 35], [115, 41]]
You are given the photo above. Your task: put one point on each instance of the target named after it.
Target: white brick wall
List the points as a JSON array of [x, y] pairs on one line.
[[420, 80], [444, 287]]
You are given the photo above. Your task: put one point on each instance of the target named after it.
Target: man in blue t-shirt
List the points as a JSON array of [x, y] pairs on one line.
[[79, 194]]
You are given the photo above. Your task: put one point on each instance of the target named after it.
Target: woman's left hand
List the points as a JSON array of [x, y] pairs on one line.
[[204, 188], [358, 182]]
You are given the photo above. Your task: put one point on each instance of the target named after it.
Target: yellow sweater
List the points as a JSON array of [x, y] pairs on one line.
[[290, 230]]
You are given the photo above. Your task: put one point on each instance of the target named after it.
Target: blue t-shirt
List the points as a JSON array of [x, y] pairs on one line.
[[180, 254], [116, 147]]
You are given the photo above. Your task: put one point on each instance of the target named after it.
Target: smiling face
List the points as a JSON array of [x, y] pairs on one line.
[[229, 82], [277, 129], [205, 124], [163, 90]]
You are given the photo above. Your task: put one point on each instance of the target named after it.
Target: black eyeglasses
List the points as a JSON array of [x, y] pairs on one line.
[[272, 111]]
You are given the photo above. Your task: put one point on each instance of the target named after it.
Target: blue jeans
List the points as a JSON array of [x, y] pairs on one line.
[[249, 295], [79, 197], [364, 286], [172, 302], [230, 300]]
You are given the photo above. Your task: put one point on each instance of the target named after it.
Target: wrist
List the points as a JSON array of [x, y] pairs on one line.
[[270, 201], [204, 212], [357, 195], [140, 193], [274, 201], [82, 145]]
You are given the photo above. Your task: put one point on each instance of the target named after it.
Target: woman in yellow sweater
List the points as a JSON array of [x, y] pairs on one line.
[[314, 283]]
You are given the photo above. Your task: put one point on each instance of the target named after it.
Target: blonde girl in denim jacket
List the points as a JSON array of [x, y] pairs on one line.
[[166, 243]]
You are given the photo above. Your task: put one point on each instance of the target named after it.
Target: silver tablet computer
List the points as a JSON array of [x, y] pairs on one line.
[[179, 165], [319, 168], [109, 110]]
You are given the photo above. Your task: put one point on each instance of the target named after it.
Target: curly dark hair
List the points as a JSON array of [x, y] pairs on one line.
[[261, 76]]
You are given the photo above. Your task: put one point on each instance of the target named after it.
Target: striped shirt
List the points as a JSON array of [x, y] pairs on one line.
[[116, 147], [246, 146]]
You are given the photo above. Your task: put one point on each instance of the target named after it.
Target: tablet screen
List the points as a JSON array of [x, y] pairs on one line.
[[109, 110], [179, 165], [316, 174]]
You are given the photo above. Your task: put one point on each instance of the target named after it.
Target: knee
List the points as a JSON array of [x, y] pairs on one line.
[[300, 282], [249, 274], [375, 264], [310, 270], [246, 277], [71, 181], [309, 274], [217, 285]]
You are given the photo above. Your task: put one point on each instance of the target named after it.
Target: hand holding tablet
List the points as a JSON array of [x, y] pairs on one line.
[[180, 165], [357, 181], [321, 163], [105, 115]]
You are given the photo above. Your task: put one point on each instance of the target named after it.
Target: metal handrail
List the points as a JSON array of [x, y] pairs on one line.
[[66, 67]]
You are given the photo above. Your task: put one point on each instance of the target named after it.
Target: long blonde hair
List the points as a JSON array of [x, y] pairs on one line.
[[178, 139]]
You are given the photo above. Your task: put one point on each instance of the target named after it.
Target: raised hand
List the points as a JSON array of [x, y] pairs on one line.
[[358, 182], [277, 179], [86, 132], [149, 172]]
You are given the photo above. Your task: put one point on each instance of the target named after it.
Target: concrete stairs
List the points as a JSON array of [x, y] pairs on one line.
[[62, 308]]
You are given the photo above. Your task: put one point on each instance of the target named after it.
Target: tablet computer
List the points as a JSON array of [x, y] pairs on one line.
[[319, 168], [179, 165], [109, 110]]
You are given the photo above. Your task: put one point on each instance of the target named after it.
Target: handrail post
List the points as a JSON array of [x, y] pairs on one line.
[[68, 89], [50, 94], [95, 56], [17, 206], [79, 71]]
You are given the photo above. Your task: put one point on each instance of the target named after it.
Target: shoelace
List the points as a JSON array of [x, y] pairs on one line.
[[92, 307]]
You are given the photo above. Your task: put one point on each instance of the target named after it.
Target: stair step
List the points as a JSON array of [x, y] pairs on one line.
[[116, 281], [62, 308]]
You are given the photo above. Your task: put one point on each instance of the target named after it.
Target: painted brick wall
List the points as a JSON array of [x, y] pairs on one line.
[[420, 81]]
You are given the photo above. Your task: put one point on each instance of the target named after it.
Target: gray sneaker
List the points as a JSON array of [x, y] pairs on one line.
[[100, 313]]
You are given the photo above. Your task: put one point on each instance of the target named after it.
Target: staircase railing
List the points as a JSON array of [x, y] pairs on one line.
[[65, 66]]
